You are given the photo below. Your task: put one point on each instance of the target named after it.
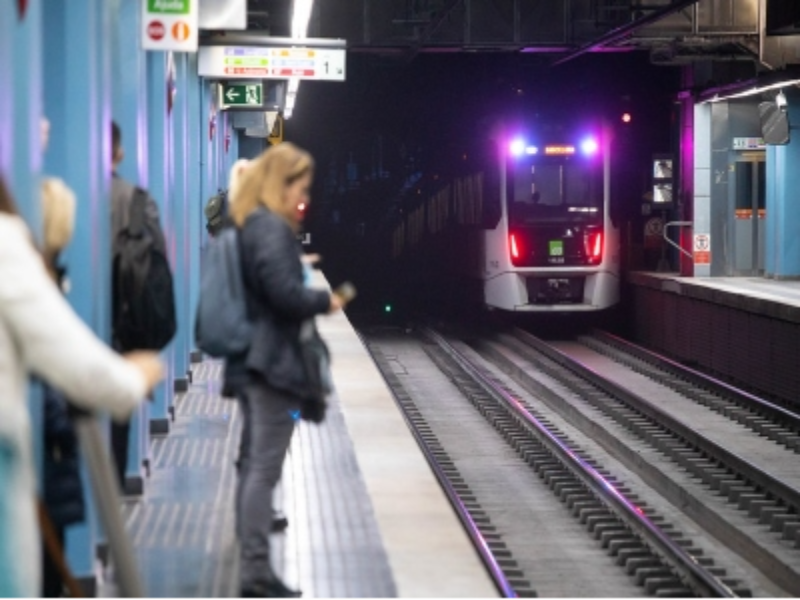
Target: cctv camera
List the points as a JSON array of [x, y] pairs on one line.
[[781, 102]]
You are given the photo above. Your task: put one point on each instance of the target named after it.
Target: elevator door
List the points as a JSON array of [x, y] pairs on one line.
[[750, 216]]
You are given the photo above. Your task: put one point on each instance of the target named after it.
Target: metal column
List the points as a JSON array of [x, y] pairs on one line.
[[130, 113], [179, 255], [159, 184], [195, 135]]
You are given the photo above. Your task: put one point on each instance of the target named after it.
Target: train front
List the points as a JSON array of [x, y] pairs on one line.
[[555, 248]]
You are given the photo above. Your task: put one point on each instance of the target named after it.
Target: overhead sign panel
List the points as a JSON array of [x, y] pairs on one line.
[[241, 95], [248, 62], [169, 25]]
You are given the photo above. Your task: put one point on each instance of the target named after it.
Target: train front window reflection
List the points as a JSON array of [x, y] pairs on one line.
[[555, 189]]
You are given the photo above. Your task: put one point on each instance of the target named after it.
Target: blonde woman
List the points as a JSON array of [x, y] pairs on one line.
[[62, 491], [40, 334], [268, 209]]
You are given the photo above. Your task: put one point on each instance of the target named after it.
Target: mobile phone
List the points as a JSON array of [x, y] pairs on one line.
[[346, 292]]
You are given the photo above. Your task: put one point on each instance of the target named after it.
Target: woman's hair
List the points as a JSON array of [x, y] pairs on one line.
[[235, 179], [58, 217], [7, 205], [266, 179]]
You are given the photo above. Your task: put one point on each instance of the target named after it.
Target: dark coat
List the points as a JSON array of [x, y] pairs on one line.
[[63, 490], [278, 302]]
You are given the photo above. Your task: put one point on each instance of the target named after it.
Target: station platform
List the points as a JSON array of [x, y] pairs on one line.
[[367, 517], [758, 295], [744, 329]]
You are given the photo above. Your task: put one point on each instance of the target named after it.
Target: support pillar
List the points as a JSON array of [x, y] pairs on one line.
[[130, 112], [686, 196], [159, 184], [783, 203]]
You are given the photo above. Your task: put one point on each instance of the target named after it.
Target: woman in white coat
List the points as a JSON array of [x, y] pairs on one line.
[[41, 335]]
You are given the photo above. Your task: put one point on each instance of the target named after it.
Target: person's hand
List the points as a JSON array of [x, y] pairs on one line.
[[149, 365], [310, 259], [337, 303]]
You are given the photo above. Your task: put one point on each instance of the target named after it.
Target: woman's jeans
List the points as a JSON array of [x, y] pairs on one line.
[[268, 427]]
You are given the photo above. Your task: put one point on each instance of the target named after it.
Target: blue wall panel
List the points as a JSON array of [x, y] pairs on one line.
[[783, 208], [8, 21], [180, 223], [195, 136], [77, 102], [129, 92], [159, 185], [27, 102]]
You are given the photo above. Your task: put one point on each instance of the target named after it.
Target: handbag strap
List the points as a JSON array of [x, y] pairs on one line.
[[56, 552]]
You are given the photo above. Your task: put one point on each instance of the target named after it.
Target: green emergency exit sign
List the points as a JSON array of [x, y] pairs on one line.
[[242, 94]]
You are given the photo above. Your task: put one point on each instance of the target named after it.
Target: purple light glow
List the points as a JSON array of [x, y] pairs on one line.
[[517, 147], [589, 146]]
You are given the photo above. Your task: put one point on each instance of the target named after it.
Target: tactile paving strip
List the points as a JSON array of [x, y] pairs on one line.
[[183, 528]]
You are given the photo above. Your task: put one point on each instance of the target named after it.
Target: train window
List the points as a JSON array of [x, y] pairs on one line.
[[542, 187]]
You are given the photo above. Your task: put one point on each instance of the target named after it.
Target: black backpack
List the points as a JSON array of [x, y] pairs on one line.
[[216, 211], [143, 295]]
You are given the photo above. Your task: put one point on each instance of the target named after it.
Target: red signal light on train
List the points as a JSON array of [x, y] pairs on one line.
[[594, 245], [514, 247], [627, 118]]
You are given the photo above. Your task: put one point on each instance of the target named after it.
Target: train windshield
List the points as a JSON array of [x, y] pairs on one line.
[[555, 190]]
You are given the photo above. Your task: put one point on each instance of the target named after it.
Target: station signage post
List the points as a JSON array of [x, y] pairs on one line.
[[170, 25]]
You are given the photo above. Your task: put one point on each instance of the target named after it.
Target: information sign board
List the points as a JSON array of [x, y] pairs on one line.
[[263, 62], [169, 25], [241, 95]]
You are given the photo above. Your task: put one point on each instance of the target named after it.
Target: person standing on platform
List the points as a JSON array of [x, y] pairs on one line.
[[122, 196], [41, 335], [62, 486], [279, 520], [267, 210]]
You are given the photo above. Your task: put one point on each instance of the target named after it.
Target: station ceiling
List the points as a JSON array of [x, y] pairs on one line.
[[674, 32]]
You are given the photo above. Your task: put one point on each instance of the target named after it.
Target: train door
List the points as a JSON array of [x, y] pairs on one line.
[[750, 214]]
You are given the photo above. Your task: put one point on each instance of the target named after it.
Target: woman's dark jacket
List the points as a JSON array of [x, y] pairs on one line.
[[63, 490], [277, 302]]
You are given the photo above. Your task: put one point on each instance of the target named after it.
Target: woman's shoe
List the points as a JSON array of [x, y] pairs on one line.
[[273, 588], [279, 524]]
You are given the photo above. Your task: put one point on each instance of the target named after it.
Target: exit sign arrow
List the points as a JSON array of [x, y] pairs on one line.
[[241, 94]]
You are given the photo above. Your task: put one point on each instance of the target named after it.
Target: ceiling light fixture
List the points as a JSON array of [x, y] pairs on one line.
[[301, 15]]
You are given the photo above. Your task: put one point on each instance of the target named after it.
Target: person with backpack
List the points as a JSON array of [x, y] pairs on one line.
[[143, 302], [270, 369]]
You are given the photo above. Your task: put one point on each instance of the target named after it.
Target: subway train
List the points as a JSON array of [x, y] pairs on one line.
[[531, 224]]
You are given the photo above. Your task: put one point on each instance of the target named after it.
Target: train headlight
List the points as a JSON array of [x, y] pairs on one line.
[[589, 146], [517, 147]]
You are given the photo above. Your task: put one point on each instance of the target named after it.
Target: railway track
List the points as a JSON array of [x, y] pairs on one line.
[[764, 418], [643, 543], [742, 504]]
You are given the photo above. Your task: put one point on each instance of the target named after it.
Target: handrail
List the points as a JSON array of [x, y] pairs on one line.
[[670, 242]]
